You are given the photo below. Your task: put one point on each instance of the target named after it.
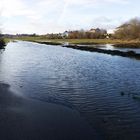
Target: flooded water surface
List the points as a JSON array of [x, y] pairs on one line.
[[104, 89], [112, 47]]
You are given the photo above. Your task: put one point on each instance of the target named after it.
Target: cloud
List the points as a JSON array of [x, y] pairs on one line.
[[42, 16], [21, 7], [12, 8], [95, 2], [119, 1]]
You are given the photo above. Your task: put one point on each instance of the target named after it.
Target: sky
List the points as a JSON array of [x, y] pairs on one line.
[[54, 16]]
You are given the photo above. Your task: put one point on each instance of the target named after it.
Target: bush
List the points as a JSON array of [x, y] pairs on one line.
[[2, 43]]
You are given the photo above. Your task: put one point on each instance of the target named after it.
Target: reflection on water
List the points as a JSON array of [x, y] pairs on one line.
[[111, 47], [101, 87]]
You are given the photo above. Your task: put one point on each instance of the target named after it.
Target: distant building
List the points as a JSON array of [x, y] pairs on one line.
[[97, 30], [92, 31], [65, 34], [107, 36]]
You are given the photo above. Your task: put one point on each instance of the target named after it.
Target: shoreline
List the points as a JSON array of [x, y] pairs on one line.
[[115, 42], [129, 54], [23, 118]]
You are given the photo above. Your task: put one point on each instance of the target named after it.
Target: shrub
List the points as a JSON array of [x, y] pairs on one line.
[[2, 43]]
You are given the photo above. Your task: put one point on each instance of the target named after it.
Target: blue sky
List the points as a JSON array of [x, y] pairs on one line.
[[47, 16]]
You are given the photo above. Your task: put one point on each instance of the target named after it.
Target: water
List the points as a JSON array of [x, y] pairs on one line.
[[90, 83], [111, 47]]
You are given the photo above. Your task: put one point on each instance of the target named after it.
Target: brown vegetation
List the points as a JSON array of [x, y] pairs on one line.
[[92, 34], [79, 34], [129, 30]]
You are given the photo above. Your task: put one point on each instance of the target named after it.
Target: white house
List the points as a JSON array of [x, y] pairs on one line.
[[65, 34]]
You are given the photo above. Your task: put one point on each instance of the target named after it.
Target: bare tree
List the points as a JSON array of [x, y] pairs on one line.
[[129, 30]]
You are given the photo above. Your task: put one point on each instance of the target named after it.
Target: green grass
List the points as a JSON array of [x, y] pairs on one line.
[[116, 42], [7, 40]]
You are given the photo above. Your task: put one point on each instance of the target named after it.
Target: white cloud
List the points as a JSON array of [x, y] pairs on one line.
[[20, 7], [12, 8], [119, 1], [94, 2], [42, 16]]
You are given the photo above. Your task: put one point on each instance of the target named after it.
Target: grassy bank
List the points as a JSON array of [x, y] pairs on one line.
[[115, 42]]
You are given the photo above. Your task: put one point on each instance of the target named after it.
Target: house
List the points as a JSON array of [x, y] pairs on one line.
[[97, 30], [65, 34], [92, 30]]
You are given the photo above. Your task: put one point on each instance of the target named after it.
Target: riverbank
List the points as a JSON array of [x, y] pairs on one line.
[[23, 118], [91, 48], [130, 54], [116, 42], [94, 47]]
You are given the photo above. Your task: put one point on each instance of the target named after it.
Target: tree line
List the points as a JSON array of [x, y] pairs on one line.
[[79, 34]]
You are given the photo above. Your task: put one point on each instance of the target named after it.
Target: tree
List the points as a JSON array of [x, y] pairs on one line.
[[129, 30]]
